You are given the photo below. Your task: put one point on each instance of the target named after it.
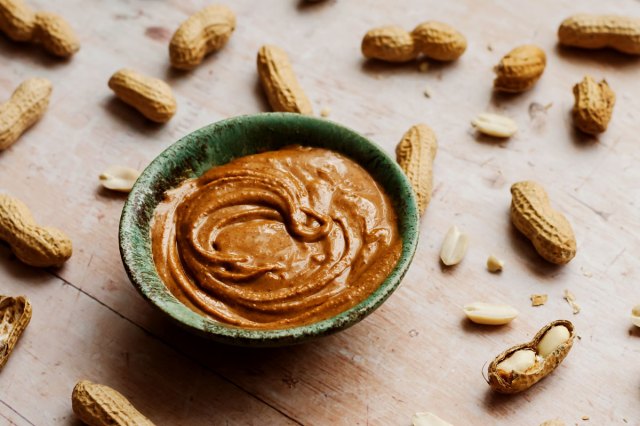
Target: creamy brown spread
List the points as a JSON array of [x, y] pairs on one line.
[[277, 239]]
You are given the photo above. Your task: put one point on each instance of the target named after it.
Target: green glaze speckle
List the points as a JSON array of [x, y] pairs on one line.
[[218, 144]]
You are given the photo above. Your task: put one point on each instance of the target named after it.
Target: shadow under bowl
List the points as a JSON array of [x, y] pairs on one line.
[[221, 142]]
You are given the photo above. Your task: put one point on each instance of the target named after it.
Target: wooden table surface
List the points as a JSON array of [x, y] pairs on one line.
[[415, 353]]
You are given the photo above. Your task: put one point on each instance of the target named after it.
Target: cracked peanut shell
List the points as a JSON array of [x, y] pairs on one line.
[[548, 229], [593, 105], [520, 69], [513, 381], [415, 154], [15, 314]]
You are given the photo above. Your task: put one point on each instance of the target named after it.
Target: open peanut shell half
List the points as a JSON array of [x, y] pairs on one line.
[[15, 314], [514, 381]]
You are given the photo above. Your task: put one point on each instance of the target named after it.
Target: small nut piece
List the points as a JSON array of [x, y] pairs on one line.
[[119, 178], [495, 125], [539, 299], [100, 405], [15, 314], [593, 105], [598, 31], [151, 96], [571, 300], [494, 264], [203, 32], [32, 244], [415, 154], [548, 229], [391, 44], [454, 247], [280, 83], [635, 316], [553, 422], [428, 419], [520, 69], [520, 367], [489, 313], [439, 41], [26, 106]]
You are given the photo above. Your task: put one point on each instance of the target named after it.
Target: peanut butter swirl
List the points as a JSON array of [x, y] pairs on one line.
[[276, 240]]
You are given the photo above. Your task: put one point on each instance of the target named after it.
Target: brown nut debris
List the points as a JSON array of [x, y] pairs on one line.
[[26, 106], [520, 69], [202, 33], [280, 83], [391, 44], [151, 96], [31, 243], [593, 105], [621, 33], [100, 405], [543, 364], [17, 20], [15, 314], [548, 229], [439, 41], [415, 154]]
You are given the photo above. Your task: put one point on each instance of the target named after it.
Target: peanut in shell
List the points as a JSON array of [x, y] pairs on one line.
[[593, 105], [520, 69]]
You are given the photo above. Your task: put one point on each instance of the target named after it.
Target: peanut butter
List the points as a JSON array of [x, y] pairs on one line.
[[276, 240]]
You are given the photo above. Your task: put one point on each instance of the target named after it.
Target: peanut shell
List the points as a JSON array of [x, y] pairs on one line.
[[415, 154], [520, 69], [55, 35], [280, 83], [548, 229], [202, 33], [151, 96], [621, 33], [439, 41], [391, 44], [17, 20], [513, 381], [15, 314], [593, 105]]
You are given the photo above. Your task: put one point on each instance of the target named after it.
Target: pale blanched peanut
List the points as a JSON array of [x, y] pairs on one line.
[[454, 247], [428, 419], [495, 125], [280, 83], [598, 31], [26, 106], [33, 244], [635, 316], [203, 32], [552, 339], [119, 178], [151, 96], [494, 264], [100, 405], [520, 361], [489, 313]]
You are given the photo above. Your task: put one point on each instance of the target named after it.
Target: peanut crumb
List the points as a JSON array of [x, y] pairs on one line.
[[571, 300], [424, 66], [585, 418], [538, 299], [324, 112], [427, 92]]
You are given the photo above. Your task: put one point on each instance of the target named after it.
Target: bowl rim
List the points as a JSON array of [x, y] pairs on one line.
[[144, 281]]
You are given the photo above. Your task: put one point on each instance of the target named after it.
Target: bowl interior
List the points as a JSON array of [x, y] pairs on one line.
[[220, 143]]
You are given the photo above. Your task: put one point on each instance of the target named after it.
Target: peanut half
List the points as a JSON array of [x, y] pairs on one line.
[[494, 264], [520, 367], [495, 125], [20, 23], [151, 96], [15, 314], [548, 229], [428, 419], [119, 178], [100, 405], [621, 33], [25, 107], [593, 105], [32, 244], [202, 33], [415, 154], [280, 83], [490, 313], [520, 69], [434, 40], [454, 247]]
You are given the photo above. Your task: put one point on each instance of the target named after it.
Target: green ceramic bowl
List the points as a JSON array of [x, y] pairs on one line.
[[220, 143]]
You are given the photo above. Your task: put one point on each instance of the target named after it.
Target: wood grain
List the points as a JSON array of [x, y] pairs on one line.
[[416, 353]]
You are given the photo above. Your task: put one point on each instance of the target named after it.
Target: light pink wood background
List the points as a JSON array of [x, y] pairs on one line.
[[416, 353]]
